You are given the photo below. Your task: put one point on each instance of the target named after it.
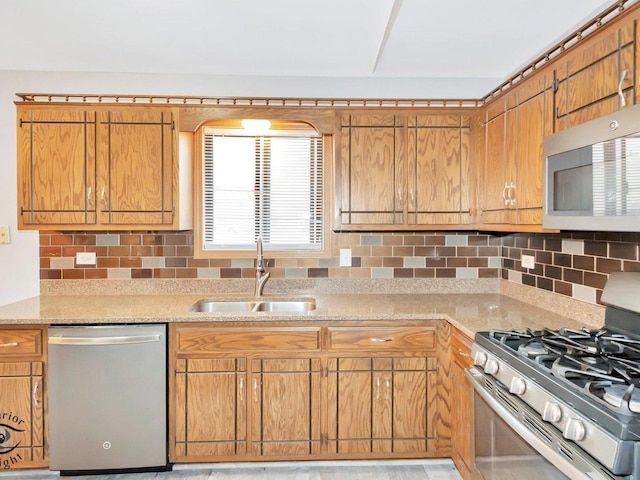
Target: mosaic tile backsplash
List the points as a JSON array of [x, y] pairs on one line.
[[574, 264], [129, 255]]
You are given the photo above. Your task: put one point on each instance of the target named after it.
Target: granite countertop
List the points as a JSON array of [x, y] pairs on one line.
[[468, 312]]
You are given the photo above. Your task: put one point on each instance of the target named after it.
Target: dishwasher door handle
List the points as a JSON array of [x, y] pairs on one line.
[[120, 340]]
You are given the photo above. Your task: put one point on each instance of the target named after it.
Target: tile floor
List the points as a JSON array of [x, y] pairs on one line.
[[440, 469]]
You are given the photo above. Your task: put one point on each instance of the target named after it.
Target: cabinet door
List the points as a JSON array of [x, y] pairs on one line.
[[371, 170], [22, 438], [56, 166], [597, 79], [461, 406], [285, 407], [438, 169], [494, 196], [210, 396], [381, 405], [136, 159], [528, 158]]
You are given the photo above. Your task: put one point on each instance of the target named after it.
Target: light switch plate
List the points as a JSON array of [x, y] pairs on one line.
[[345, 257], [4, 234], [86, 258], [528, 261]]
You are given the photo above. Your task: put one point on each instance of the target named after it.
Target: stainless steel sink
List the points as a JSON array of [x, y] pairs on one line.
[[267, 305]]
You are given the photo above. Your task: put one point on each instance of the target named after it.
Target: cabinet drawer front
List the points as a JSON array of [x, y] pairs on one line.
[[20, 342], [203, 340], [461, 350], [382, 338]]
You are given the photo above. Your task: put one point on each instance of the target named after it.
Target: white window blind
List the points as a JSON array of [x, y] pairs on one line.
[[262, 185]]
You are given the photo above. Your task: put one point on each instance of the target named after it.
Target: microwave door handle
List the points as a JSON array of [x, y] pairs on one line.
[[475, 377]]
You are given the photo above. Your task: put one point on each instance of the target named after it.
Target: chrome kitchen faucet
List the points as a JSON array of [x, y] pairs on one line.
[[261, 272]]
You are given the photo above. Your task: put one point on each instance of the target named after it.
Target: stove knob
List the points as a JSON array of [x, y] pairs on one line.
[[480, 359], [517, 386], [574, 430], [551, 412], [491, 368]]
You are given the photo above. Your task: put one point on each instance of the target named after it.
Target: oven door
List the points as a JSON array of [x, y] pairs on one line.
[[505, 447]]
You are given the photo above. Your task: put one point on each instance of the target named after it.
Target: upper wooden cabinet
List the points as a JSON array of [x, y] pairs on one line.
[[511, 185], [99, 168], [597, 78], [402, 171]]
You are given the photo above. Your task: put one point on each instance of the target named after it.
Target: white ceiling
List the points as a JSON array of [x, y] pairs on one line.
[[472, 42]]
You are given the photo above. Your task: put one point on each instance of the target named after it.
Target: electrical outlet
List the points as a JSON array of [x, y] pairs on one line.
[[528, 261], [86, 258], [4, 234], [345, 257]]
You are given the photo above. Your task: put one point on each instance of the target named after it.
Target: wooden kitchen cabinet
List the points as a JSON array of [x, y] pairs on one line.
[[402, 171], [81, 167], [22, 399], [371, 169], [461, 404], [285, 405], [244, 394], [438, 180], [382, 404], [596, 78], [512, 177], [268, 392]]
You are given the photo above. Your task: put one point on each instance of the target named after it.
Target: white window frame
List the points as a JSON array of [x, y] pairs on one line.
[[274, 251]]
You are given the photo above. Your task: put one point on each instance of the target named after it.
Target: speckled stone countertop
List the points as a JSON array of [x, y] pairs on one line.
[[468, 312]]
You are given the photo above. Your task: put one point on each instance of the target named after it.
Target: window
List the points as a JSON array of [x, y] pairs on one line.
[[269, 185]]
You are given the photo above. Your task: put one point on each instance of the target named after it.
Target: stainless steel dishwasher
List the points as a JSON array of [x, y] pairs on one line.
[[107, 398]]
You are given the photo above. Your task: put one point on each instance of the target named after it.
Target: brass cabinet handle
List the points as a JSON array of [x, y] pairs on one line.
[[241, 392], [10, 344], [378, 388], [103, 197], [381, 340], [463, 353], [90, 196], [388, 385]]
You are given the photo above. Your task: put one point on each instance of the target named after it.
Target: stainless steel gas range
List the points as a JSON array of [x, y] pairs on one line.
[[565, 403]]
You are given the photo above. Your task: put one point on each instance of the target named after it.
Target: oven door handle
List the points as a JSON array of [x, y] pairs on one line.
[[475, 377]]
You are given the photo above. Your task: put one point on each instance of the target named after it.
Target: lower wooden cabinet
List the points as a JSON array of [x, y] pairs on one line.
[[22, 399], [286, 393], [381, 405], [461, 404]]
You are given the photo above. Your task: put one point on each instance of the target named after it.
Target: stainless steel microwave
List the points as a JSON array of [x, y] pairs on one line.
[[592, 175]]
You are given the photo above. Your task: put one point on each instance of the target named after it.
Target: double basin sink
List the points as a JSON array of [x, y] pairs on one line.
[[254, 305]]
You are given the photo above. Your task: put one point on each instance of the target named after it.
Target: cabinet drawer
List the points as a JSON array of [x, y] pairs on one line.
[[205, 340], [20, 342], [381, 338], [461, 349]]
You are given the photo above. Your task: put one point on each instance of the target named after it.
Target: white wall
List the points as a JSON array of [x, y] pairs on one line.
[[19, 261]]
